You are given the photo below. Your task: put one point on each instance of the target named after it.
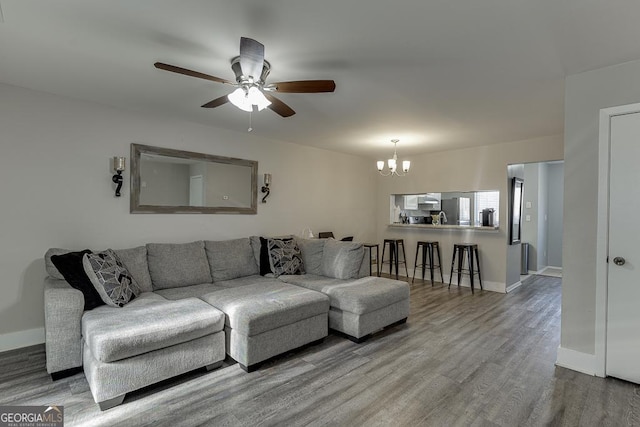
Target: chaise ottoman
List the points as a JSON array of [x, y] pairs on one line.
[[362, 306], [147, 341], [269, 318]]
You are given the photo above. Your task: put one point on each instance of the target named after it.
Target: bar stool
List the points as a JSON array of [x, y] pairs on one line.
[[471, 250], [429, 249], [371, 246], [394, 255]]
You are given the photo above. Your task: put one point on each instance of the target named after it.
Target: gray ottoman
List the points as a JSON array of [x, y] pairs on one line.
[[269, 318], [147, 341], [362, 306]]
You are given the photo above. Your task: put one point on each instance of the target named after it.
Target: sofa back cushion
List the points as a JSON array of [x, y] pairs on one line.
[[135, 259], [342, 260], [312, 250], [230, 259], [172, 265]]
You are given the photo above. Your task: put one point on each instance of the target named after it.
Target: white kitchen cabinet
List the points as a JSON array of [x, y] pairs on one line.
[[411, 202]]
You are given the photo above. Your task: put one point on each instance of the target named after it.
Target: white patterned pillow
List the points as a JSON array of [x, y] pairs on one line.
[[110, 277], [285, 257]]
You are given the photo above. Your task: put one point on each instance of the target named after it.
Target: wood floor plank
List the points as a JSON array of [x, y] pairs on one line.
[[462, 359]]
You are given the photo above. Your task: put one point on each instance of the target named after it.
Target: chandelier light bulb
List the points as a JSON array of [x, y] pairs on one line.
[[392, 163]]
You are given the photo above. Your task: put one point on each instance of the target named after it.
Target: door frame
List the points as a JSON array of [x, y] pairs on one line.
[[602, 233]]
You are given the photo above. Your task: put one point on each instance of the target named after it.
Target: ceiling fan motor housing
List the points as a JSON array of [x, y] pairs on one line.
[[249, 80]]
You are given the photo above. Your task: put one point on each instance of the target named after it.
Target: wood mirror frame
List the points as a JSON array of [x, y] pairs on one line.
[[250, 193]]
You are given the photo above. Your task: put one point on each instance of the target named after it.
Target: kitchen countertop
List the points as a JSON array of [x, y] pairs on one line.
[[445, 227]]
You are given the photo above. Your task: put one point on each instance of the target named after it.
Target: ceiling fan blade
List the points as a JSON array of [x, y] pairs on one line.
[[191, 73], [278, 106], [216, 102], [251, 57], [305, 86]]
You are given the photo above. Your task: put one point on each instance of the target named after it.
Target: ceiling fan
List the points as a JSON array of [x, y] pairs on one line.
[[251, 71]]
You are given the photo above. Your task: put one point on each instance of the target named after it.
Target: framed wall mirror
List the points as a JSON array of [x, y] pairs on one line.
[[164, 180], [515, 211]]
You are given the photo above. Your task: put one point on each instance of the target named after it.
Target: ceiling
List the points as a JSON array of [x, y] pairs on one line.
[[436, 74]]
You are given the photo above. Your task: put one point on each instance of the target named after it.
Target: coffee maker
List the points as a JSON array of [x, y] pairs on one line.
[[487, 217]]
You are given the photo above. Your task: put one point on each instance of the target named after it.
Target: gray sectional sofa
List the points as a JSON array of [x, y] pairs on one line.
[[205, 300]]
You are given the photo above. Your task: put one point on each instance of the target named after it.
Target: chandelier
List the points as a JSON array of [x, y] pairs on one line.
[[392, 163]]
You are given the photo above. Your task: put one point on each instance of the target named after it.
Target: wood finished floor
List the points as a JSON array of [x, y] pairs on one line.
[[460, 360]]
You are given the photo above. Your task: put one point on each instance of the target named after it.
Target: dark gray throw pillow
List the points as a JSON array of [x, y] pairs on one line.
[[70, 267], [110, 278], [285, 257]]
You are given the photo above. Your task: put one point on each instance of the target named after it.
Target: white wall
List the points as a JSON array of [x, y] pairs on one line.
[[555, 199], [481, 168], [55, 183], [585, 95]]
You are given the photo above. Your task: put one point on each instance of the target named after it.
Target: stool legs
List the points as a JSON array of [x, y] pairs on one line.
[[404, 259], [471, 252], [394, 256], [440, 264], [415, 264], [478, 264]]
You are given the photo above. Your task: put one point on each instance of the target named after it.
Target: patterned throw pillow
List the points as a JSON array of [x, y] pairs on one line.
[[110, 278], [285, 257]]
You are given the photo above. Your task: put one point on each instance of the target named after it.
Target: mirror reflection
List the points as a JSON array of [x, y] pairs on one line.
[[459, 208], [174, 181]]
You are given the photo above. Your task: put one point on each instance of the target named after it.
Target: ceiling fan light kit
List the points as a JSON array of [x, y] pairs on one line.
[[251, 71], [392, 163]]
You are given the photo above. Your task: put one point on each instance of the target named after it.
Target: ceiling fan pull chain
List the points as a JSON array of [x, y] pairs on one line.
[[250, 128]]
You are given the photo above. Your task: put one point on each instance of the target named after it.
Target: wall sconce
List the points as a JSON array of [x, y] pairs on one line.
[[118, 167], [265, 188]]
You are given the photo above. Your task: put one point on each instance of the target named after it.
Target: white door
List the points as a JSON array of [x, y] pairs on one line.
[[623, 280], [196, 191]]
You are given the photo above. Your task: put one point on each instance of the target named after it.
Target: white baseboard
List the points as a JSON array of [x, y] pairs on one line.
[[514, 286], [576, 361], [486, 285], [21, 339]]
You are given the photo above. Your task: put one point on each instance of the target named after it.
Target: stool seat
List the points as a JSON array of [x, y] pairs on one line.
[[394, 255], [429, 250], [471, 252]]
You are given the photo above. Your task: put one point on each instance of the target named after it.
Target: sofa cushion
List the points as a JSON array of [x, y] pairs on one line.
[[314, 281], [193, 291], [285, 257], [342, 260], [230, 259], [135, 259], [173, 265], [357, 296], [70, 266], [254, 309], [368, 294], [311, 250], [244, 281], [110, 278], [114, 334]]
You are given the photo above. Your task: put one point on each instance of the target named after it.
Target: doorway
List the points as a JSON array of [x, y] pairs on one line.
[[540, 249]]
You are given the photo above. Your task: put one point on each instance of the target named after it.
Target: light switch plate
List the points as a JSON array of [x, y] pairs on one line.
[[527, 218], [527, 205]]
